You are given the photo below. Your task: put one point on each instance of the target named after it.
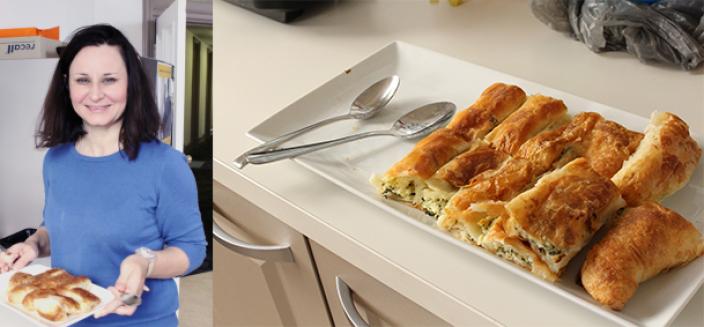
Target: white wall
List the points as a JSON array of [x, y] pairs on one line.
[[22, 89], [69, 15]]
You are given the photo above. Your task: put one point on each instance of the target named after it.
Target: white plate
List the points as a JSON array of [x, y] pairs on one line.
[[104, 295], [427, 76]]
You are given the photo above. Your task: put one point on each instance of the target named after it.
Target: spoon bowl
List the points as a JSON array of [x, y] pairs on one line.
[[423, 120], [374, 98], [366, 105], [420, 121]]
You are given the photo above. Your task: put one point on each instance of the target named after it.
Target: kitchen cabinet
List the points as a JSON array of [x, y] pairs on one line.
[[350, 291], [255, 284]]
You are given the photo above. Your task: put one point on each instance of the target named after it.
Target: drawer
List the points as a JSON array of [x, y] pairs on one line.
[[376, 304], [264, 273]]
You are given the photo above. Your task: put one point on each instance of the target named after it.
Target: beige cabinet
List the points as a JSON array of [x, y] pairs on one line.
[[264, 274], [350, 291]]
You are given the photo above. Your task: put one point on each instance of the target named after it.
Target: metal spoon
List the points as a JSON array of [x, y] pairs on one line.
[[416, 123], [367, 104]]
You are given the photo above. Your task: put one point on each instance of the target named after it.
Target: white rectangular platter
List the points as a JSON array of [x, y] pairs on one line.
[[104, 295], [427, 76]]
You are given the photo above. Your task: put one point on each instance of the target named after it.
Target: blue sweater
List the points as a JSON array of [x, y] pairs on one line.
[[99, 210]]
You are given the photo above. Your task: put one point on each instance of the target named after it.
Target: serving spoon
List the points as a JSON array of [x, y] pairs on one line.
[[365, 106], [418, 122]]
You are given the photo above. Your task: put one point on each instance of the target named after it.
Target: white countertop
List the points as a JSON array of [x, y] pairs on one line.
[[261, 66]]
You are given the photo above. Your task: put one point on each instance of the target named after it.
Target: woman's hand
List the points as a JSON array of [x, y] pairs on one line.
[[133, 274], [18, 256]]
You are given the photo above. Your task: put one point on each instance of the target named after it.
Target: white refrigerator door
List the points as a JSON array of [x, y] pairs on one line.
[[171, 48], [23, 86]]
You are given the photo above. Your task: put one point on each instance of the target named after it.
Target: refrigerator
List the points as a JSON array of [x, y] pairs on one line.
[[161, 78], [23, 86]]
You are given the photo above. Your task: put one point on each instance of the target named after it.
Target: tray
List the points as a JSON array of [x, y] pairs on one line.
[[103, 294], [428, 76]]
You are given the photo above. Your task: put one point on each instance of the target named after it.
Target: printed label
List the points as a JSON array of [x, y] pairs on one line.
[[20, 47]]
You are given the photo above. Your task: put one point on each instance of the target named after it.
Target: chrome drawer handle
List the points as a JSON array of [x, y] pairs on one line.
[[344, 294], [272, 253]]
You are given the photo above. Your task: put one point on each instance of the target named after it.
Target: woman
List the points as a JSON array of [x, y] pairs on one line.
[[120, 206]]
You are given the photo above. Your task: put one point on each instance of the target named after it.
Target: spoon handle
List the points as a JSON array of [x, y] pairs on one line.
[[279, 154], [242, 161]]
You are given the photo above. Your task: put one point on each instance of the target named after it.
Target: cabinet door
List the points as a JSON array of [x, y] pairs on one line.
[[375, 303], [257, 281]]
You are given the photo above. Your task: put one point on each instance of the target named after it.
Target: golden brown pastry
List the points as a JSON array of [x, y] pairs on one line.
[[608, 145], [49, 305], [561, 213], [461, 217], [536, 114], [493, 106], [54, 294], [663, 162], [644, 241], [457, 173], [20, 278], [85, 299], [16, 294], [514, 250], [551, 146], [406, 179]]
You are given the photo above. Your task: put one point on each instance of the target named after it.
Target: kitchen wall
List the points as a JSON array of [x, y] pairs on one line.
[[72, 14], [23, 85]]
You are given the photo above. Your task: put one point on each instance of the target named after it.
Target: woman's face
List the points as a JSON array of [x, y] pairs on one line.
[[98, 86]]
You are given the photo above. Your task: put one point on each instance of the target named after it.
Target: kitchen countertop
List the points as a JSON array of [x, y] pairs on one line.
[[261, 66]]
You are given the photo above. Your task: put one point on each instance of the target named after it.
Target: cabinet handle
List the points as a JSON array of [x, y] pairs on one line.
[[344, 294], [272, 253]]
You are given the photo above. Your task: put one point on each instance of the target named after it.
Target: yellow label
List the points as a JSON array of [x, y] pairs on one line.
[[164, 70]]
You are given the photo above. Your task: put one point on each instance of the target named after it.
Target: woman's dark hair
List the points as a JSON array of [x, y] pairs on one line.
[[60, 124]]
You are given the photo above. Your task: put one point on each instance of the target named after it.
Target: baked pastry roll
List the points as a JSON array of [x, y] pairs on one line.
[[469, 206], [493, 106], [663, 162], [457, 173], [50, 305], [608, 145], [514, 250], [550, 146], [536, 114], [561, 213], [20, 278], [54, 294], [85, 299], [644, 241], [405, 180], [16, 294]]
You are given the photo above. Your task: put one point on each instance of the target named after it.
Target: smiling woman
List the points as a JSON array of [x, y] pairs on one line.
[[120, 206]]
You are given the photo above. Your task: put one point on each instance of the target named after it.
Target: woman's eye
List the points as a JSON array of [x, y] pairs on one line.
[[82, 81], [110, 80]]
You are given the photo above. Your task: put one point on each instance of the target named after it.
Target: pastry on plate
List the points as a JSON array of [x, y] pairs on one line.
[[406, 179], [537, 113], [55, 294], [468, 207], [513, 249], [561, 213], [663, 162], [644, 241]]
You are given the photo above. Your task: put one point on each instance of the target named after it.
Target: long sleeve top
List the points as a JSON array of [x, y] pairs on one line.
[[99, 210]]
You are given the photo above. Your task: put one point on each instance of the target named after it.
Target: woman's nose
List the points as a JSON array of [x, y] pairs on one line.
[[96, 92]]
